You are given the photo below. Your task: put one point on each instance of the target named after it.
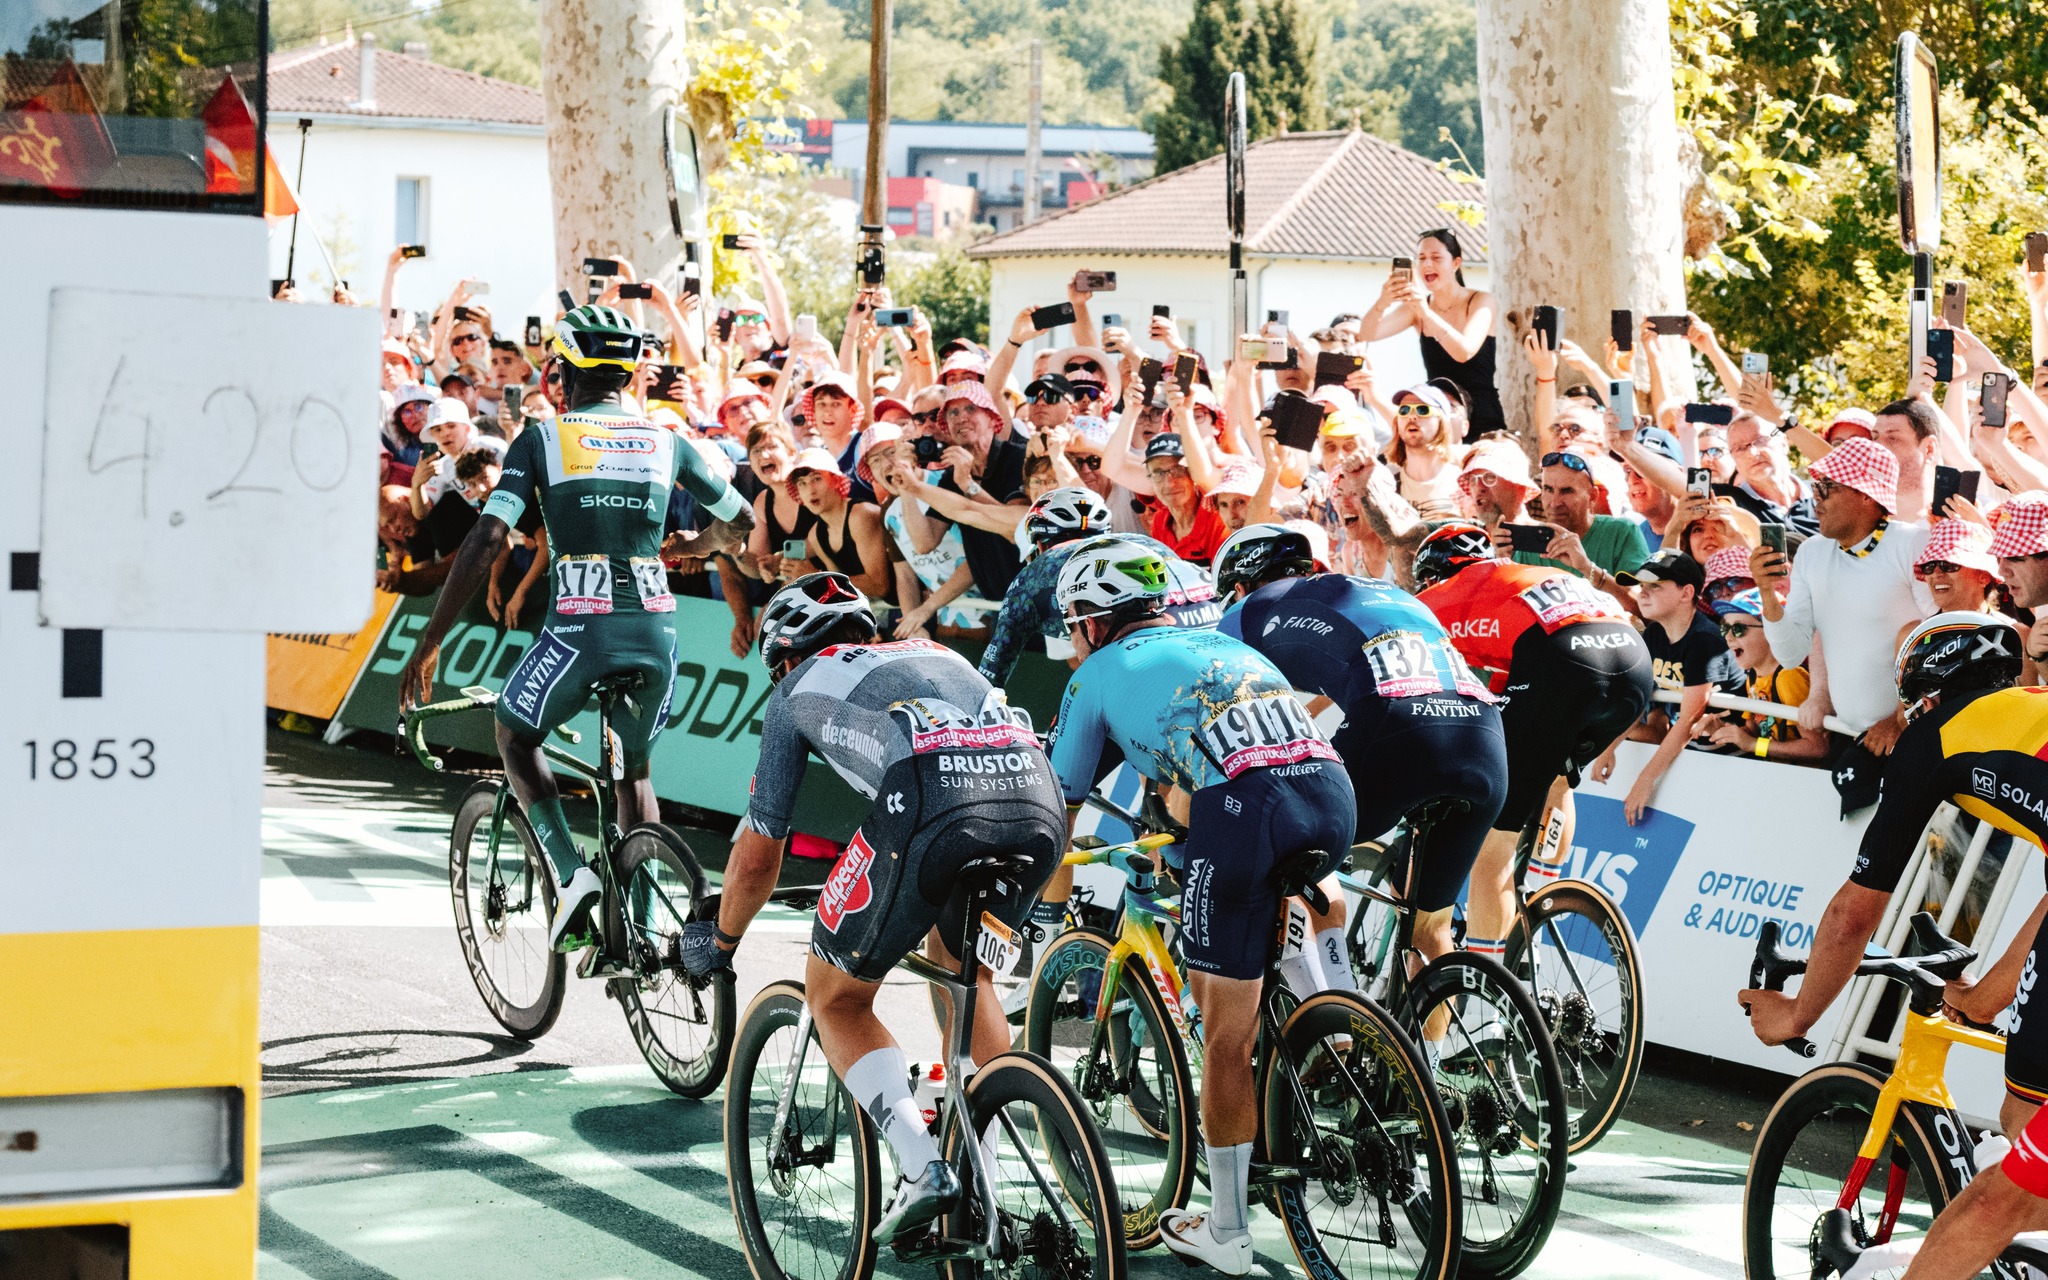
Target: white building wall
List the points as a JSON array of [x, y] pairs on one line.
[[489, 211]]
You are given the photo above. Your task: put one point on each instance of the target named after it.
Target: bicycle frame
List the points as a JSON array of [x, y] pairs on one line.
[[1139, 937], [1920, 1076]]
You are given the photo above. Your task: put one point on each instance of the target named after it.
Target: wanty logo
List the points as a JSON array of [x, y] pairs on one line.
[[616, 444], [847, 890]]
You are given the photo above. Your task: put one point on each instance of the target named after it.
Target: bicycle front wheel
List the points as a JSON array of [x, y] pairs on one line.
[[805, 1192], [683, 1026], [1057, 1211], [1359, 1145], [1131, 1073], [504, 897], [1574, 951], [1802, 1159]]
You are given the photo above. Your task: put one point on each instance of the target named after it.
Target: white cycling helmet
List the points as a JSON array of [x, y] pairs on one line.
[[1111, 575], [1063, 514], [801, 615]]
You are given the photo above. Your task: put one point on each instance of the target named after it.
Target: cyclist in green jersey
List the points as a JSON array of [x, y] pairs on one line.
[[601, 477]]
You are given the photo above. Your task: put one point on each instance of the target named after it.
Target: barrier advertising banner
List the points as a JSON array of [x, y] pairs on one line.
[[310, 673]]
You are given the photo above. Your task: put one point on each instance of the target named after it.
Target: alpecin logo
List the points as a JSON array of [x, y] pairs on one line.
[[847, 890]]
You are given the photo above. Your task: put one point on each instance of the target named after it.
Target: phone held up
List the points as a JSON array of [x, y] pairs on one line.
[[1532, 538], [641, 291], [1941, 348], [1621, 326], [1671, 326], [1184, 371], [1052, 317], [1403, 272], [1992, 397], [2037, 251], [1699, 483], [1095, 281], [1297, 420], [1774, 538], [412, 251], [1547, 326], [895, 317], [533, 331], [1719, 415], [1755, 364], [1952, 483], [1955, 297]]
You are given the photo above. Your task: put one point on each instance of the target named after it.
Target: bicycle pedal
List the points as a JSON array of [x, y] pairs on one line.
[[596, 964], [931, 1247]]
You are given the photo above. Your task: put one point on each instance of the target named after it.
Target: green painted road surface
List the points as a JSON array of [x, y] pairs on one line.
[[405, 1138]]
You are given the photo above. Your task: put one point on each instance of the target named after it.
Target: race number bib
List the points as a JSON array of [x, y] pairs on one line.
[[583, 584], [1563, 600], [996, 947], [650, 579], [1402, 666], [1267, 729]]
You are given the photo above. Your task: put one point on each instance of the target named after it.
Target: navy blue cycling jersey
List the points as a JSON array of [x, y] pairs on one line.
[[1350, 638]]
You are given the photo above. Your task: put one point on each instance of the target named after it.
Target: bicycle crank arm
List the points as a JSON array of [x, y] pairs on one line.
[[1277, 1175]]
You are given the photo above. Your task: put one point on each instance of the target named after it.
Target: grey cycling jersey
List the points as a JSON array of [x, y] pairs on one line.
[[862, 708]]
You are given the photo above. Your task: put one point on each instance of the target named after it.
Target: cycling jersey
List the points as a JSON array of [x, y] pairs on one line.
[[1487, 606], [1349, 638], [1029, 606]]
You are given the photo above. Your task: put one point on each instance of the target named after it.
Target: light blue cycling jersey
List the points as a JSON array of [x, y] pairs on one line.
[[1186, 708]]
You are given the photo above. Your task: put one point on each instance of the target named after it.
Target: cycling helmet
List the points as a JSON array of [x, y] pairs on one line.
[[1258, 551], [1114, 576], [589, 337], [1957, 652], [1072, 512], [1448, 548], [803, 614]]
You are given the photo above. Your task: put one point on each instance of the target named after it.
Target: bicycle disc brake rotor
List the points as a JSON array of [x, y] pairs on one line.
[[494, 910], [1053, 1247]]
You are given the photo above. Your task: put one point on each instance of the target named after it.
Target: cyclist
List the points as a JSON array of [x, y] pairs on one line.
[[1202, 712], [1972, 740], [601, 478], [1412, 722], [1574, 673], [954, 774]]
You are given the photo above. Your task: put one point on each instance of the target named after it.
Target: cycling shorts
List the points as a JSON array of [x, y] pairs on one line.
[[1403, 751], [2026, 1041], [934, 813], [1238, 831], [1570, 694], [2027, 1163], [552, 683]]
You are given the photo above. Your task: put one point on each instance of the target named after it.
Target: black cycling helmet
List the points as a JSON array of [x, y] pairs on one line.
[[1955, 653], [1063, 514], [1259, 551], [804, 615], [1448, 548]]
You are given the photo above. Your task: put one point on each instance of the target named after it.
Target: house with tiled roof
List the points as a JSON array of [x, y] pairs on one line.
[[398, 149], [1325, 215]]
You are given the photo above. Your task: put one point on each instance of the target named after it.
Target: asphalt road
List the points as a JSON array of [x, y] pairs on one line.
[[406, 1136]]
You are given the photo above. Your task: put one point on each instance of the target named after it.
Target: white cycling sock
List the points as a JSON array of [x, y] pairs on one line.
[[1230, 1170], [1302, 972], [1335, 956], [1492, 948], [880, 1083]]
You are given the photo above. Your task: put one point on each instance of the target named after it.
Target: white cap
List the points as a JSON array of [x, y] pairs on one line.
[[447, 410]]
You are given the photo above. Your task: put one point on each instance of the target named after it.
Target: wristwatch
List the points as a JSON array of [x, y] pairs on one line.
[[974, 489]]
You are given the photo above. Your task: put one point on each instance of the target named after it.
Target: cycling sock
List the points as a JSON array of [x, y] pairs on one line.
[[1335, 955], [1301, 971], [1230, 1169], [1491, 948], [1540, 874], [880, 1082], [552, 826]]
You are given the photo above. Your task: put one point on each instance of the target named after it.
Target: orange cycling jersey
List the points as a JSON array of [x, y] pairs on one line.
[[1487, 606]]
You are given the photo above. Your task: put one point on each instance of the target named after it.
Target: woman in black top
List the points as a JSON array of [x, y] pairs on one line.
[[1453, 322]]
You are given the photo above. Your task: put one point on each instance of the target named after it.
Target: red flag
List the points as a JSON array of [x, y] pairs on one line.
[[56, 140], [230, 141]]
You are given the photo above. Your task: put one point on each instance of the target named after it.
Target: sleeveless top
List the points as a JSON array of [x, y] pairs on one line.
[[844, 558], [777, 534], [1474, 375]]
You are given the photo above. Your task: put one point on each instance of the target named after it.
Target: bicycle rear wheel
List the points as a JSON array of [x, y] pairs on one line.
[[1803, 1154], [805, 1195], [503, 902], [1573, 949], [1346, 1102], [1058, 1216], [683, 1026], [1134, 1082]]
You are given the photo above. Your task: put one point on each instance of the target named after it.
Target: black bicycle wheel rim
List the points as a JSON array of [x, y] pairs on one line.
[[501, 922], [786, 1232], [683, 1027]]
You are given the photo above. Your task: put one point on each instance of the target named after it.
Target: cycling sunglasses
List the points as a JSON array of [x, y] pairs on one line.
[[1415, 411], [1569, 461], [1049, 397], [1087, 391]]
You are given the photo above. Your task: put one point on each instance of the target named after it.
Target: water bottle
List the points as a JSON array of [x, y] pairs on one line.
[[930, 1091]]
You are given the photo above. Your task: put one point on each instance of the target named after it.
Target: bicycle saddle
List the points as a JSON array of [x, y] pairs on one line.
[[1430, 812], [989, 869], [1296, 876]]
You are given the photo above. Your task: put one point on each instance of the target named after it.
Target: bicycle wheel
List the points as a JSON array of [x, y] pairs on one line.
[[1346, 1101], [806, 1195], [1802, 1158], [683, 1026], [1133, 1079], [1583, 971], [1056, 1204], [503, 903], [1501, 1083]]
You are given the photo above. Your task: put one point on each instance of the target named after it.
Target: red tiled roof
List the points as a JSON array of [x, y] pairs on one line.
[[1312, 195], [325, 78]]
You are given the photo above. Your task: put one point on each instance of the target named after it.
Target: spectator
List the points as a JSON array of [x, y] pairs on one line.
[[1595, 547], [987, 474], [2020, 545], [781, 522], [1454, 323], [1188, 526], [938, 574], [1909, 429], [1048, 402], [743, 408], [1653, 467], [1421, 452], [1765, 737], [1853, 587], [1713, 454], [1494, 483], [399, 368], [1728, 574], [477, 472], [1083, 452], [1700, 527], [437, 501], [1958, 568], [847, 537], [832, 413], [1237, 484], [460, 384], [402, 431], [1767, 487], [1687, 654]]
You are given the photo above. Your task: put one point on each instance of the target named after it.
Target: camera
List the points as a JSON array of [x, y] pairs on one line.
[[927, 450]]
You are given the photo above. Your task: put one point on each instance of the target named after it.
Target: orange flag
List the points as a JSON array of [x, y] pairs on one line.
[[231, 152], [56, 140]]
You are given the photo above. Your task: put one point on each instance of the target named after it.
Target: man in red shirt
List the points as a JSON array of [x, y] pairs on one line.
[[1185, 523]]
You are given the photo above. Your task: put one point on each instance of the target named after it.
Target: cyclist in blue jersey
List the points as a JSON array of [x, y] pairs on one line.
[[1202, 712], [1409, 719]]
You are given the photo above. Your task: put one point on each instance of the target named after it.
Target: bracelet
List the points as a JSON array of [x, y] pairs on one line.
[[724, 939], [1542, 382], [1016, 344], [1763, 748]]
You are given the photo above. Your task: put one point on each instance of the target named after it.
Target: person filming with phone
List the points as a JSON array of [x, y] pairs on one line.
[[1453, 322], [1595, 547]]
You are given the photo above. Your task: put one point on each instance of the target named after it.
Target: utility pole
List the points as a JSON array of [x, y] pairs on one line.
[[1031, 146], [874, 209]]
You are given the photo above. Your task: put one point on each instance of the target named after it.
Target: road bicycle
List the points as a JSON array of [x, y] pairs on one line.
[[1850, 1157], [1354, 1150], [504, 895], [803, 1158]]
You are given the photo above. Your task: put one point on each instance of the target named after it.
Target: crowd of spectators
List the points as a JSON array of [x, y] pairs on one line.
[[1761, 555]]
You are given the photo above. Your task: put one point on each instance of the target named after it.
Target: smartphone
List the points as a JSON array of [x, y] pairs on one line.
[[1955, 298], [896, 317], [1755, 363], [1621, 397], [2037, 251], [1545, 322], [1052, 317], [600, 267], [729, 241], [1163, 310], [1184, 371], [1699, 482], [1533, 538], [628, 292], [1621, 326], [533, 331], [1941, 344], [1296, 419], [723, 325], [1404, 270], [412, 251], [1333, 367], [1276, 320], [1095, 281], [1112, 321], [514, 399], [806, 326], [691, 285], [464, 313], [1150, 374], [1993, 399], [1774, 537], [1719, 415], [1950, 482], [479, 288], [793, 549], [671, 383], [567, 299], [1674, 326]]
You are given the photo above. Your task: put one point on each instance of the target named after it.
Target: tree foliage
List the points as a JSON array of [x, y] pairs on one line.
[[951, 289], [1408, 71], [499, 38], [1278, 53]]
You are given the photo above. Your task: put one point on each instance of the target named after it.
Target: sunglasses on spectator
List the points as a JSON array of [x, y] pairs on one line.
[[1049, 397], [1937, 566], [1737, 630], [1086, 392], [1415, 411], [749, 317], [1713, 453], [1569, 461], [929, 415], [1822, 487], [465, 337], [1085, 462]]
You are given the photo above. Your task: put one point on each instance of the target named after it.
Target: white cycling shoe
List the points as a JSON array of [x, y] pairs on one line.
[[572, 929], [1190, 1235]]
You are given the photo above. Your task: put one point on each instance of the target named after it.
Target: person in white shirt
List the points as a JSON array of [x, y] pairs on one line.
[[1853, 586], [449, 429]]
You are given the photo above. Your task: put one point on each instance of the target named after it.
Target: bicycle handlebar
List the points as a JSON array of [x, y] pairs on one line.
[[412, 729], [1924, 976]]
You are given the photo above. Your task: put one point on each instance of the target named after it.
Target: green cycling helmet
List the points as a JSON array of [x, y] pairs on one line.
[[592, 336]]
